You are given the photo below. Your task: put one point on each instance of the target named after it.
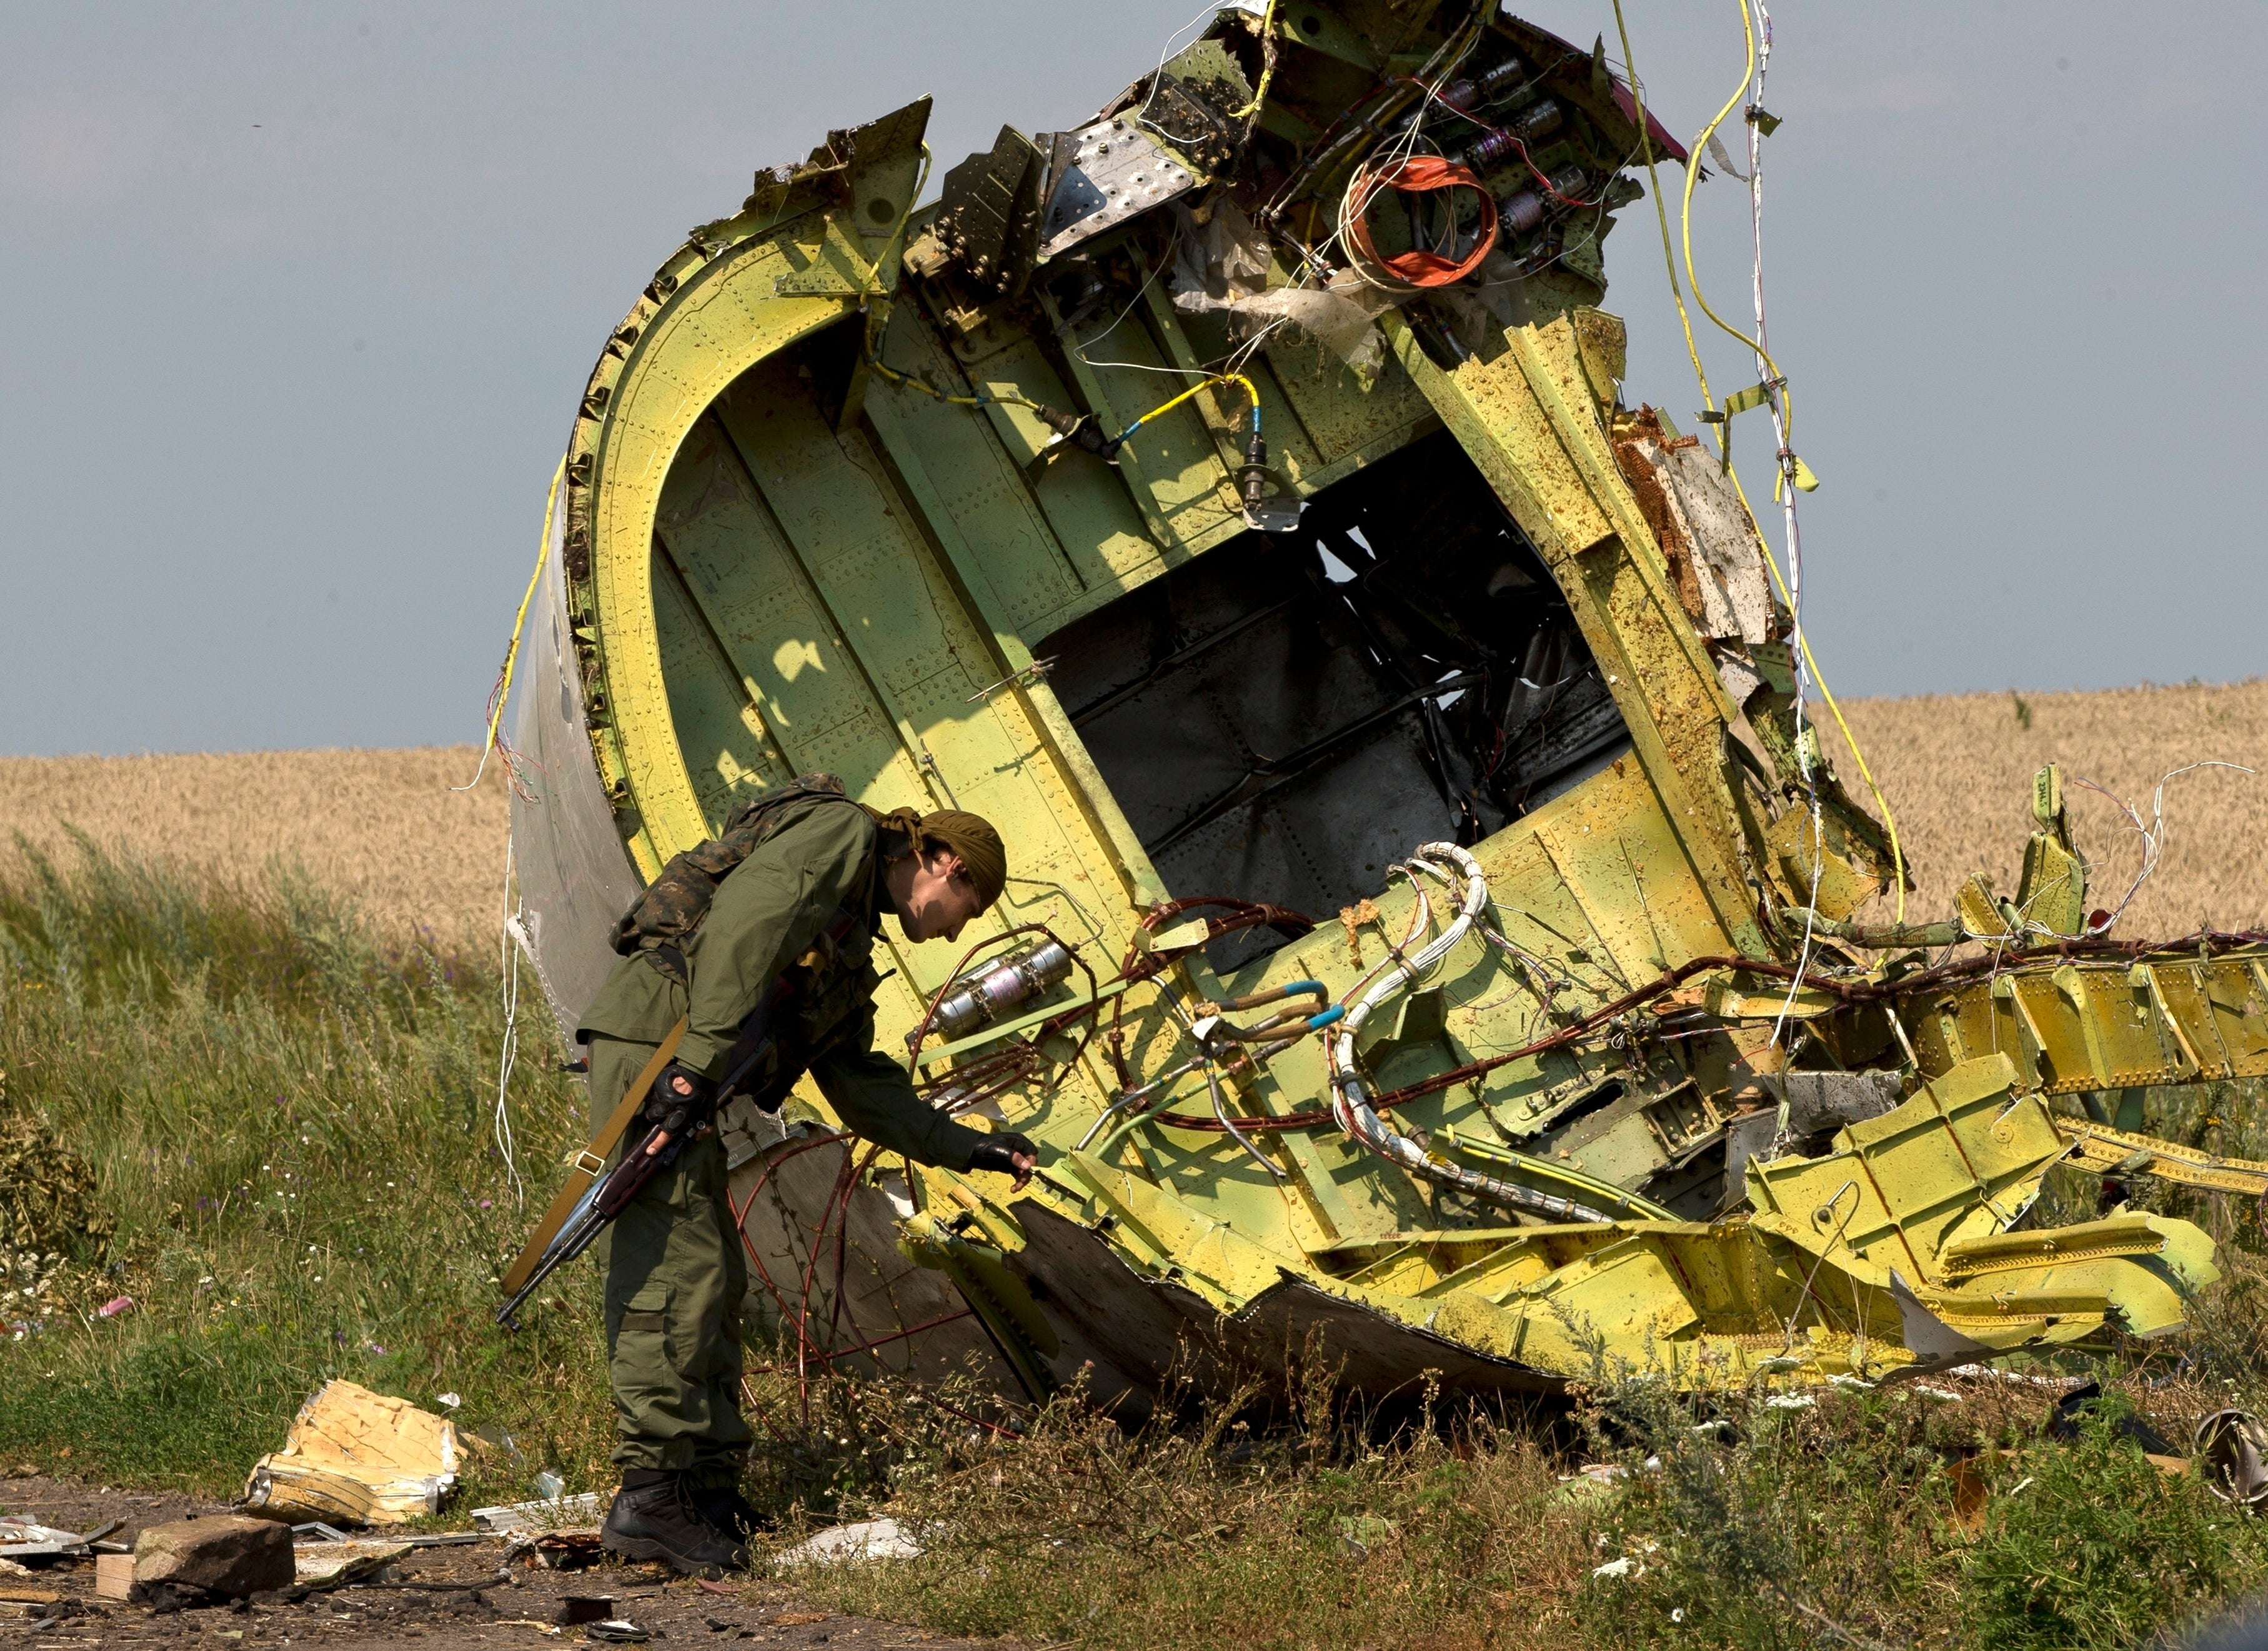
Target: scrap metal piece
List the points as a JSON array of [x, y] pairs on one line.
[[1933, 1343], [27, 1539], [2102, 1150], [553, 1513], [360, 1457], [987, 212], [1112, 173], [2230, 1447], [1821, 1101], [320, 1565]]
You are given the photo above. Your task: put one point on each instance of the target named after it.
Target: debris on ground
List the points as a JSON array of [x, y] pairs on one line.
[[869, 1539], [448, 1591], [557, 1513], [21, 1539], [569, 1549], [357, 1457], [582, 1608], [329, 1563], [227, 1557]]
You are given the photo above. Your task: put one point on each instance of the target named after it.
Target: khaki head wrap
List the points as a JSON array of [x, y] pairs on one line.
[[969, 835]]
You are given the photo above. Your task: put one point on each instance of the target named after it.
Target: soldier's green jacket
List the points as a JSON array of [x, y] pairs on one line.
[[770, 916]]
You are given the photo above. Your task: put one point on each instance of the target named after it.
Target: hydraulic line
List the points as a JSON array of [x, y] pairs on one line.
[[1350, 1105]]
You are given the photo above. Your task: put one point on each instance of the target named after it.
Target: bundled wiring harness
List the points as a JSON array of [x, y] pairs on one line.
[[1448, 864], [1418, 268]]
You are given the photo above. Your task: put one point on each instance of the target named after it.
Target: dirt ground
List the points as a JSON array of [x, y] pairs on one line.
[[471, 1598]]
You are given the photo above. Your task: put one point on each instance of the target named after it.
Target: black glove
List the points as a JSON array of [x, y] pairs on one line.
[[681, 1099], [1000, 1152]]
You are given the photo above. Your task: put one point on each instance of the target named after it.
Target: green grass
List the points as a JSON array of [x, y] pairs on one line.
[[288, 1124], [274, 1131]]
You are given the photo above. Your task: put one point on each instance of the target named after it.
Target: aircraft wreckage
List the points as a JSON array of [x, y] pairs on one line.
[[1431, 938]]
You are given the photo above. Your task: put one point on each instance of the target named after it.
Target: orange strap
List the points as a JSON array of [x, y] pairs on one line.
[[1424, 174]]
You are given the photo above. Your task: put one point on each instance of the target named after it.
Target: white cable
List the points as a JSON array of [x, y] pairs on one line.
[[1446, 863], [508, 964], [1791, 530]]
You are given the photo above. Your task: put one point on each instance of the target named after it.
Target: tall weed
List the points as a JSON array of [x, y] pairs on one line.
[[289, 1123]]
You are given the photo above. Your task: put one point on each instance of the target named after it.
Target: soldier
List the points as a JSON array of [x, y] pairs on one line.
[[759, 940]]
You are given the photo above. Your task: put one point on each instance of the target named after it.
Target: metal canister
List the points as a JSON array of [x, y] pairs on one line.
[[1539, 120], [1001, 987], [1524, 211]]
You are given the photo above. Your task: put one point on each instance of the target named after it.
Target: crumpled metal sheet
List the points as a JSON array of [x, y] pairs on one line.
[[574, 877], [1704, 530]]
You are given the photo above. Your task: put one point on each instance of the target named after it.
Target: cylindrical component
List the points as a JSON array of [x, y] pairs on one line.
[[1469, 94], [1493, 82], [1524, 211], [1539, 119], [1001, 987]]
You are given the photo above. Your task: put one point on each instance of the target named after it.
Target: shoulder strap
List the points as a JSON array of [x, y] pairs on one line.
[[667, 913], [585, 1168]]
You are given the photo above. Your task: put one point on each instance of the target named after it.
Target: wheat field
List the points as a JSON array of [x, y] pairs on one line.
[[1957, 770], [384, 828]]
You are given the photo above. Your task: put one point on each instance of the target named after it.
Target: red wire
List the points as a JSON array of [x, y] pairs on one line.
[[1522, 148], [1423, 175]]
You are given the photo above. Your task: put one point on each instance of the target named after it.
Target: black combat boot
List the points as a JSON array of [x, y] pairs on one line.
[[656, 1515], [723, 1507]]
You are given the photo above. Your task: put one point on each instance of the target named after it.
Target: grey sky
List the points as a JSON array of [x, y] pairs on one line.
[[301, 298]]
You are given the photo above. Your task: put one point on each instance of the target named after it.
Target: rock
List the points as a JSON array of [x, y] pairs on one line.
[[225, 1555]]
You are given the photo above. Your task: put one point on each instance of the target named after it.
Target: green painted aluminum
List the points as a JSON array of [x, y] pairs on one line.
[[776, 560]]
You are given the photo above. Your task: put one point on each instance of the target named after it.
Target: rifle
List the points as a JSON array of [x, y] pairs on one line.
[[588, 1204], [605, 1200]]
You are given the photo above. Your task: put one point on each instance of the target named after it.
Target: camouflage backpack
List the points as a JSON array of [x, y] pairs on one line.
[[664, 919]]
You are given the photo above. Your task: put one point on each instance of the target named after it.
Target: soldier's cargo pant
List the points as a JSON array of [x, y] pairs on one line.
[[674, 1278]]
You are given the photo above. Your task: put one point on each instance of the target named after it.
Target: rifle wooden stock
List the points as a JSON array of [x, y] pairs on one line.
[[589, 1164]]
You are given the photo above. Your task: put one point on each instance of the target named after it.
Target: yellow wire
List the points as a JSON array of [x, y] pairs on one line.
[[1692, 177], [511, 653], [1724, 431], [1204, 383], [1661, 216], [1267, 68]]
